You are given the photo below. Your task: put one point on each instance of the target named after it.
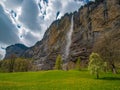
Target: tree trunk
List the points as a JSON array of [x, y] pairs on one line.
[[114, 69], [97, 75]]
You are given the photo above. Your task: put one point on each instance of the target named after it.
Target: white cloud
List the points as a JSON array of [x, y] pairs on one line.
[[12, 4], [2, 50]]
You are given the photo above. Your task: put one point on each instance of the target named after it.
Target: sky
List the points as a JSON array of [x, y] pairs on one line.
[[25, 21]]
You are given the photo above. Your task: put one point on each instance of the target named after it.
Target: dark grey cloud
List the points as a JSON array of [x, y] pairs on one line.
[[8, 31]]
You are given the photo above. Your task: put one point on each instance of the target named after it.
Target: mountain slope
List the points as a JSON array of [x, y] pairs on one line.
[[17, 50]]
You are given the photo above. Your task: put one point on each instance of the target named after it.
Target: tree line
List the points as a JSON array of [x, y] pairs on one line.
[[16, 65]]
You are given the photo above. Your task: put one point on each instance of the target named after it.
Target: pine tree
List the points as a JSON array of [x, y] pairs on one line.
[[95, 64], [78, 63], [58, 64]]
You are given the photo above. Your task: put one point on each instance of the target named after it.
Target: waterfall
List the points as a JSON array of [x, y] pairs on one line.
[[69, 40]]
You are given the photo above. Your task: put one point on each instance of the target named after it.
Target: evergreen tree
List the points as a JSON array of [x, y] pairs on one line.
[[95, 64], [78, 63], [58, 64]]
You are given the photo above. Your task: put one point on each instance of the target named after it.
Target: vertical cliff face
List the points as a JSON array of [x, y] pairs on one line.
[[90, 22], [52, 44]]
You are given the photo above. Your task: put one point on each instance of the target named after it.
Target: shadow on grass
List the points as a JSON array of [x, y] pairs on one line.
[[110, 78]]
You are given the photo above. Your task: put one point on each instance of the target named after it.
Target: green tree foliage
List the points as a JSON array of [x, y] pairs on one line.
[[78, 64], [22, 65], [4, 66], [16, 65], [105, 65], [58, 64], [8, 64], [95, 64], [11, 63]]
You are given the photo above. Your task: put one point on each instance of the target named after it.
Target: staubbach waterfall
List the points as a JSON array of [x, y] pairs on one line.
[[69, 40]]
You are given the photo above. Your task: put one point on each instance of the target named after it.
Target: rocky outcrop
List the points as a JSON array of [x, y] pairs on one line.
[[90, 22], [17, 50]]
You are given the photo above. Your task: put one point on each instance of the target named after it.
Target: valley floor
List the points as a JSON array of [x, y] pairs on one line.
[[58, 80]]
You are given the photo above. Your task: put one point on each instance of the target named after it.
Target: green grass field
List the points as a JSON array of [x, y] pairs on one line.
[[58, 80]]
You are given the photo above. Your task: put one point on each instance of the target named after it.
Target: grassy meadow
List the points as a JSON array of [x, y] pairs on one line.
[[58, 80]]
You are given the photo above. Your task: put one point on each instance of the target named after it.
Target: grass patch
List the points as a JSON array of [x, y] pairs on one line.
[[58, 80]]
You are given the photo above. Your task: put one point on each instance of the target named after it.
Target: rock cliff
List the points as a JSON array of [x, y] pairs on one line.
[[89, 23]]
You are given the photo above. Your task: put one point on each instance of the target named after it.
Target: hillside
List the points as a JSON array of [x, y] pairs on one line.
[[89, 23], [17, 49]]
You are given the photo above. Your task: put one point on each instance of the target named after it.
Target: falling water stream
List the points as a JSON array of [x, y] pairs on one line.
[[69, 40]]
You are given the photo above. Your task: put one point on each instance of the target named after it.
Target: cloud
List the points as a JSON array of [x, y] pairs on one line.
[[1, 56], [2, 50], [29, 38], [29, 16], [12, 4], [8, 32]]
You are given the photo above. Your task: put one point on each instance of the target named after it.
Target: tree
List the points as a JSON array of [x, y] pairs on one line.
[[108, 47], [16, 65], [105, 66], [58, 64], [23, 65], [11, 63], [78, 64], [20, 65], [4, 66], [95, 64]]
